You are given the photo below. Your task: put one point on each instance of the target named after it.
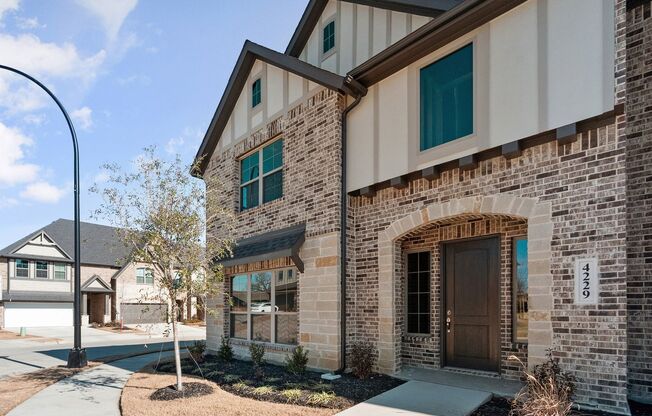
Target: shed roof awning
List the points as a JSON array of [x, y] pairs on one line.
[[269, 246]]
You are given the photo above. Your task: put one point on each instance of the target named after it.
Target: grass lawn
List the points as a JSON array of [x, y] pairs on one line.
[[277, 385]]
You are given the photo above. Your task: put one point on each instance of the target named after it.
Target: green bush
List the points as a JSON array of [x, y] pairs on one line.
[[297, 361], [197, 350], [362, 359], [257, 352], [225, 353]]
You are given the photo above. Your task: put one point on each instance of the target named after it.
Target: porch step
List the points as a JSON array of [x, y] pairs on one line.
[[421, 398], [488, 382]]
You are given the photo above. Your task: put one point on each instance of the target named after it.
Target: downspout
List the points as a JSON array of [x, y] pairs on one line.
[[358, 92]]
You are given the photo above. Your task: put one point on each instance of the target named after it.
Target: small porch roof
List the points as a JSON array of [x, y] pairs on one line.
[[96, 285], [269, 246]]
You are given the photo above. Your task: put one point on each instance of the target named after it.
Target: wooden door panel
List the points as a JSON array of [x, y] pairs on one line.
[[471, 279]]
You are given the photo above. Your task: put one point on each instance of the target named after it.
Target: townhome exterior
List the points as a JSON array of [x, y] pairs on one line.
[[490, 164], [36, 273]]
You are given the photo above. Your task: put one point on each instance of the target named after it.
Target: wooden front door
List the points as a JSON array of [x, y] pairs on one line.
[[471, 330]]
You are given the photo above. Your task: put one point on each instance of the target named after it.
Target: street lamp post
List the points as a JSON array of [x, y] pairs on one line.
[[77, 355]]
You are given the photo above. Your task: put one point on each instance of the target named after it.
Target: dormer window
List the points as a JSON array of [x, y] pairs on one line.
[[329, 37], [256, 93]]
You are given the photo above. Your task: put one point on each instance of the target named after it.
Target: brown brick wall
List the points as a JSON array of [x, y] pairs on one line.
[[638, 108], [584, 184]]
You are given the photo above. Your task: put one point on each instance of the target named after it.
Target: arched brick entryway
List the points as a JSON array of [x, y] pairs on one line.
[[540, 227]]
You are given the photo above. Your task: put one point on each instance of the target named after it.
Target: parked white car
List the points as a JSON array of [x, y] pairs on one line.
[[262, 307]]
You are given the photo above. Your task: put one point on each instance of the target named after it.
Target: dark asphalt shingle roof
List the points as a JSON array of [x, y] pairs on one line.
[[100, 244]]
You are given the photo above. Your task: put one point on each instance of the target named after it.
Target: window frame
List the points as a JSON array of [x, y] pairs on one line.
[[273, 312], [144, 282], [514, 293], [474, 97], [257, 82], [47, 269], [428, 334], [325, 54], [21, 268], [65, 271], [261, 173]]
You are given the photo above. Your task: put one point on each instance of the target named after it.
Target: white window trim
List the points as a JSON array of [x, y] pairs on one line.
[[47, 270], [65, 271], [16, 269], [325, 55], [261, 176], [144, 283], [273, 312]]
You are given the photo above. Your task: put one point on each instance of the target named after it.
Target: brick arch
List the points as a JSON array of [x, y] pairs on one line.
[[540, 227]]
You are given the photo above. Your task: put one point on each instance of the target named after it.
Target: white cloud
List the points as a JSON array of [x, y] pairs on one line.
[[28, 23], [6, 202], [28, 53], [112, 14], [8, 5], [173, 145], [35, 119], [84, 116], [12, 168], [102, 177], [43, 192]]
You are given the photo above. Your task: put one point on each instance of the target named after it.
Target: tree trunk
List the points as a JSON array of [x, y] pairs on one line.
[[177, 354]]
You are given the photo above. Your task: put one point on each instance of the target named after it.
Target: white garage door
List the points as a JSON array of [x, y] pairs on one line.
[[31, 314]]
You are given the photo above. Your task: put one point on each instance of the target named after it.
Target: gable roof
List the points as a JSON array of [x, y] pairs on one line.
[[315, 8], [100, 244], [249, 54], [100, 287]]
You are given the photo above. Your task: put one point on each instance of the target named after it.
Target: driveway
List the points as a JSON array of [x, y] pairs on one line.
[[53, 343]]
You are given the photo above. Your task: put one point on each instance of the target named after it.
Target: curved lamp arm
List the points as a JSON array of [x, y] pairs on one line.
[[77, 356]]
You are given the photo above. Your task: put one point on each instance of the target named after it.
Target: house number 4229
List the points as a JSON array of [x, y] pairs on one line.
[[586, 281]]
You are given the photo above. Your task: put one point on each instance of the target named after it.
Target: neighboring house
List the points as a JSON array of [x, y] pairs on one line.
[[495, 176], [36, 276]]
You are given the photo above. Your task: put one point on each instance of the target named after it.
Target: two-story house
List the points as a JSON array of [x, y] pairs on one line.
[[489, 162], [36, 276]]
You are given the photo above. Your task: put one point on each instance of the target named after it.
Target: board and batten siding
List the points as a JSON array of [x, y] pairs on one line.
[[360, 33], [281, 90], [543, 65]]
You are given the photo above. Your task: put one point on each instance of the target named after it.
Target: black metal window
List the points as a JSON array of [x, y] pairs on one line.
[[418, 293]]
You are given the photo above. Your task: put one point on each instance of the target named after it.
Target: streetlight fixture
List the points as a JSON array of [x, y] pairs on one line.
[[77, 355]]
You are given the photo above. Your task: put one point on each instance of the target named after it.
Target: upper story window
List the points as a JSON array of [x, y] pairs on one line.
[[520, 289], [256, 93], [42, 269], [264, 306], [144, 276], [447, 98], [258, 187], [329, 37], [22, 268], [60, 271]]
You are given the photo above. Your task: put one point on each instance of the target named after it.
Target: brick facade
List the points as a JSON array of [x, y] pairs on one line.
[[639, 200], [582, 186], [311, 195]]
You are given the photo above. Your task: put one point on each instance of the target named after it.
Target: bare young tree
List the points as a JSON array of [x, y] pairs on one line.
[[161, 213]]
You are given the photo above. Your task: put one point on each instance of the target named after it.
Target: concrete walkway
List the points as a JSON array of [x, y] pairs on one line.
[[93, 392], [416, 398]]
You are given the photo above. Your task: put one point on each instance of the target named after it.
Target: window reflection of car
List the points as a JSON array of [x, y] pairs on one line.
[[262, 307]]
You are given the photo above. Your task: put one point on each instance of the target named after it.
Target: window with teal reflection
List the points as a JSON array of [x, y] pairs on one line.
[[256, 93], [329, 37], [446, 95]]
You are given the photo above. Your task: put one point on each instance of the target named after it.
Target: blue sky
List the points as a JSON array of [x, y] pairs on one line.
[[133, 73]]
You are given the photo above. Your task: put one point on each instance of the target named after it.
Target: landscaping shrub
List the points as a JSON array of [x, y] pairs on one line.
[[197, 350], [548, 390], [297, 361], [362, 359], [257, 352], [225, 353]]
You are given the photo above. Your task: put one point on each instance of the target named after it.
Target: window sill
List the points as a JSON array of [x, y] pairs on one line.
[[418, 337], [269, 346]]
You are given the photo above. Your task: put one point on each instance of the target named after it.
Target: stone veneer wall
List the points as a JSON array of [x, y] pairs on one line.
[[638, 108], [311, 195], [424, 351], [574, 199]]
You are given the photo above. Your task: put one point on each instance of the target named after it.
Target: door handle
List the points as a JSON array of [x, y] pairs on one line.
[[449, 318]]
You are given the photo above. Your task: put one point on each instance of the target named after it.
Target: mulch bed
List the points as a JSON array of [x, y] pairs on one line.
[[190, 389], [501, 407], [277, 385]]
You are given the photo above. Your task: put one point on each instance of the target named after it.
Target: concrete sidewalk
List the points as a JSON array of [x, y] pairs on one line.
[[92, 392], [416, 398]]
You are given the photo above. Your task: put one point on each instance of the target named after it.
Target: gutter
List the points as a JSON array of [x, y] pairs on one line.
[[359, 91]]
